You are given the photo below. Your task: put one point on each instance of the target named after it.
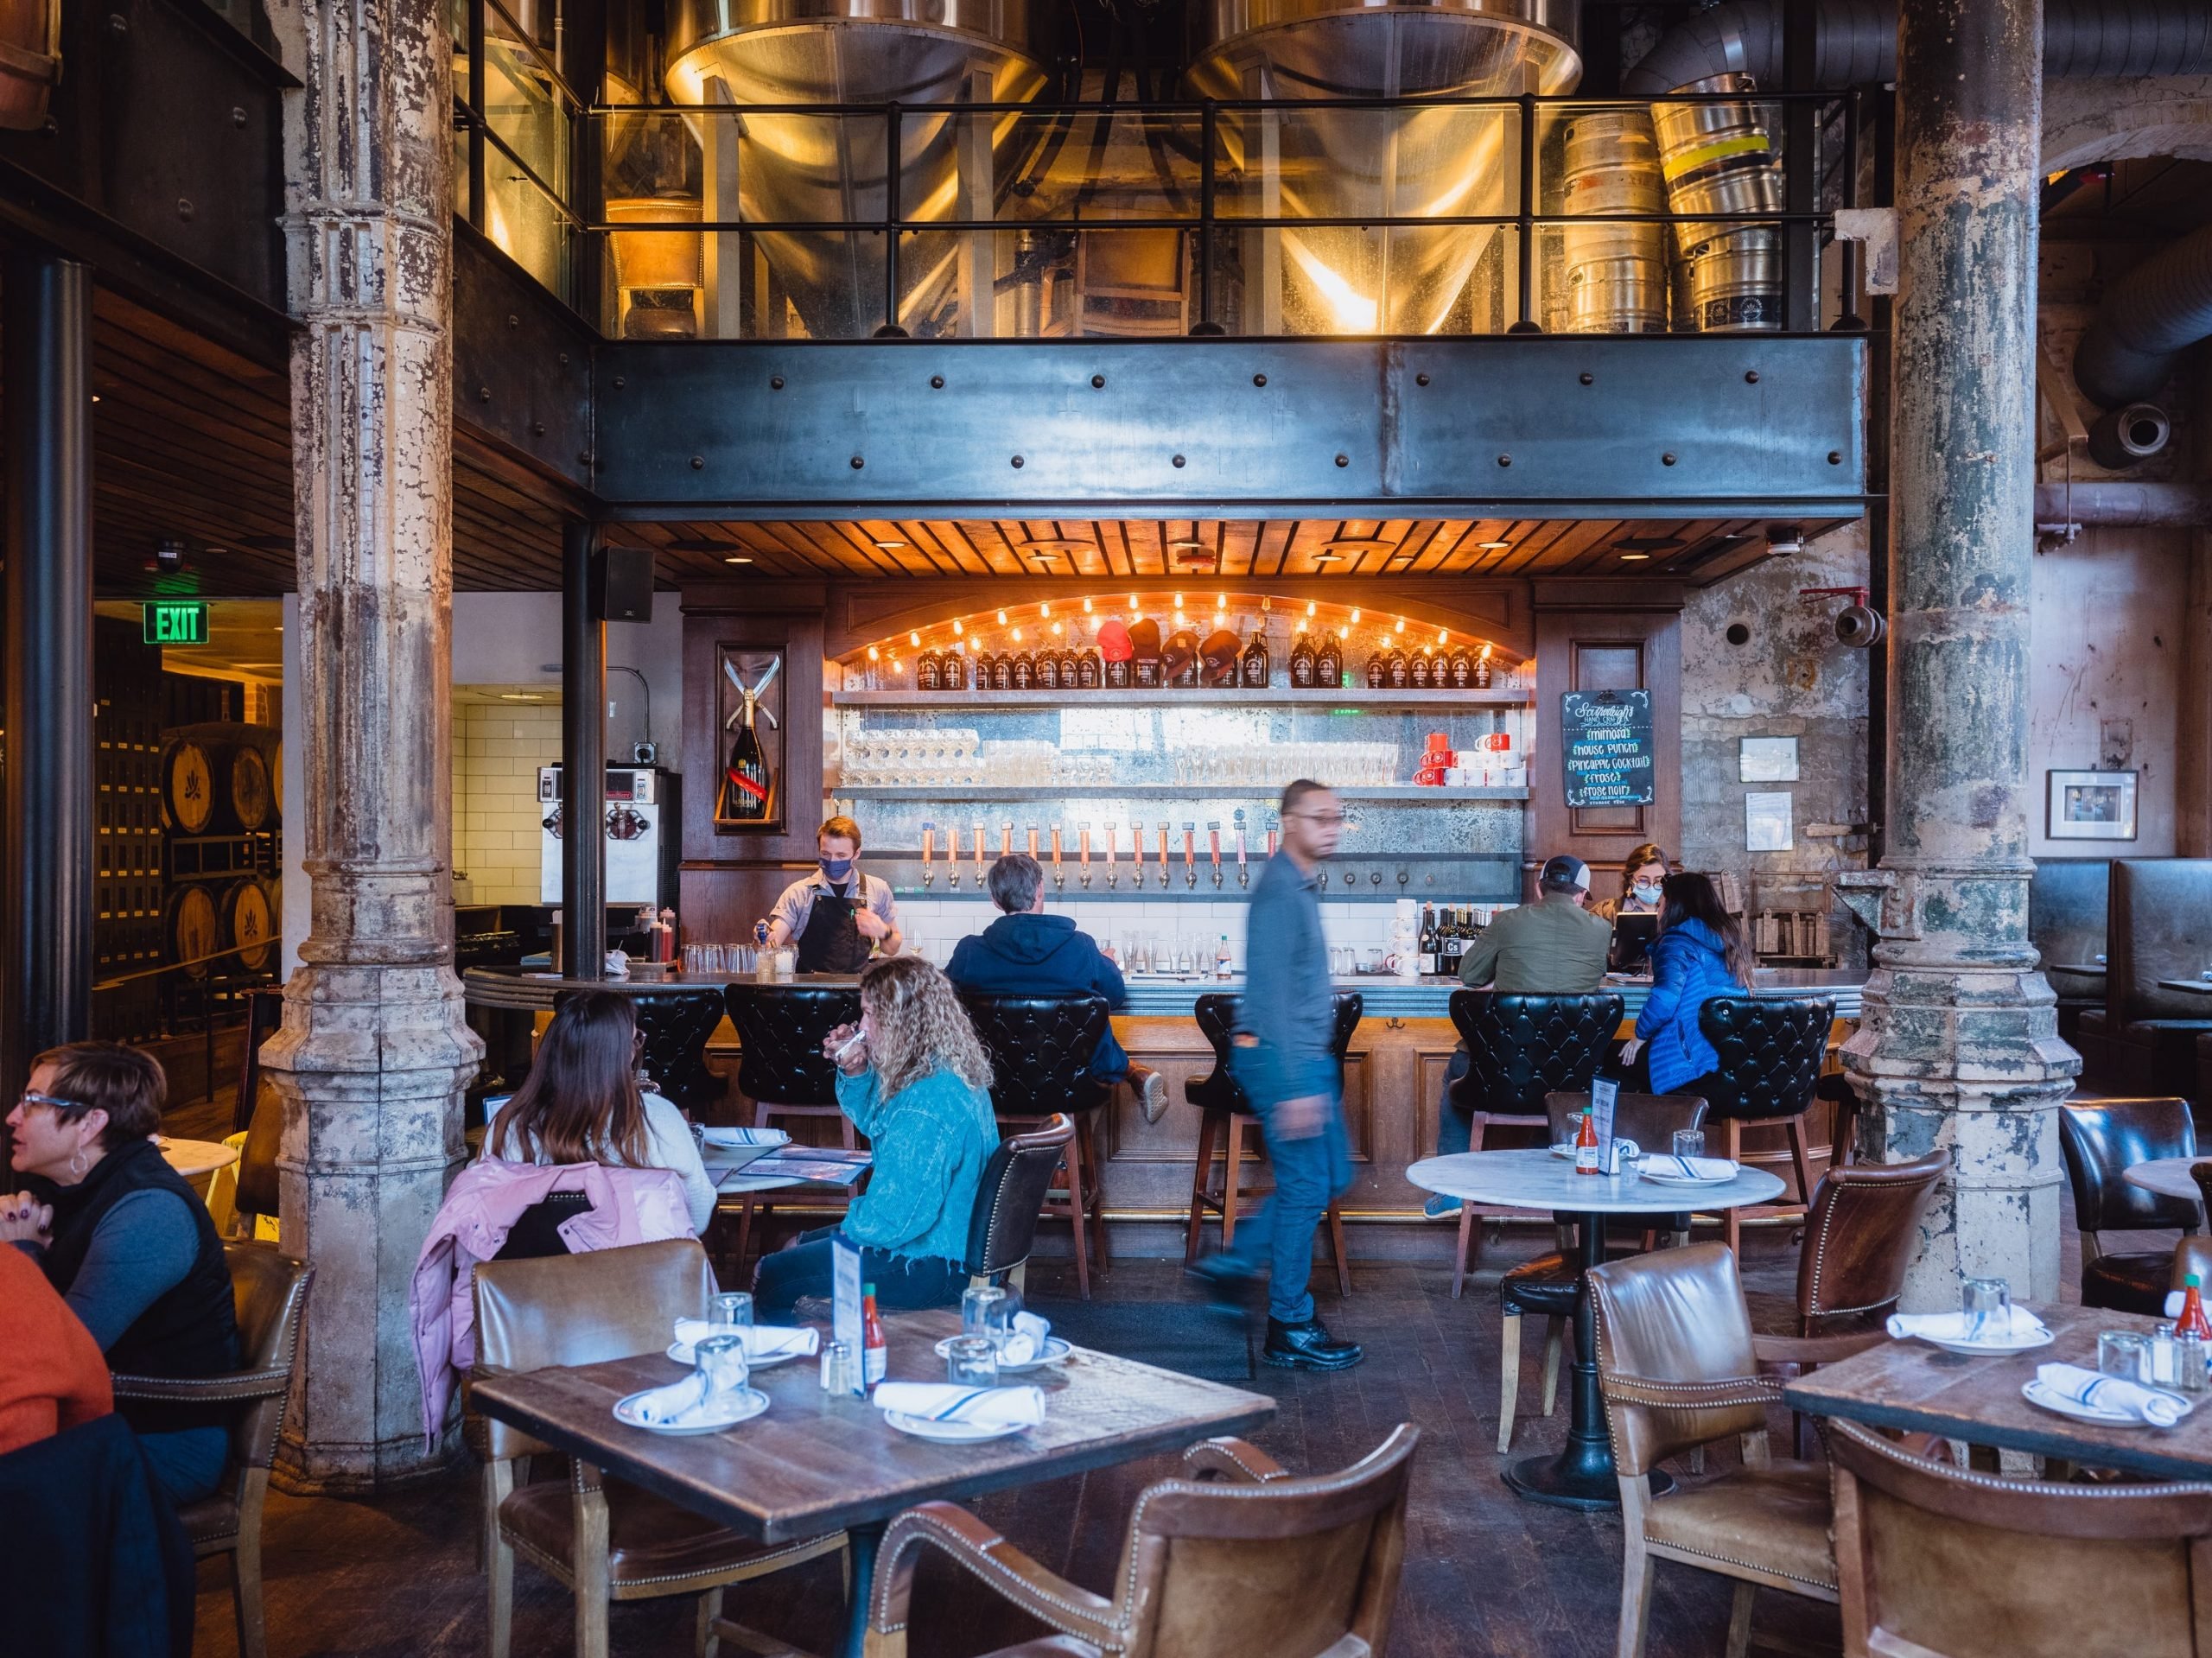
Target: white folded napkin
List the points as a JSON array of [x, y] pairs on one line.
[[746, 1137], [1026, 1344], [1689, 1168], [761, 1341], [672, 1405], [2152, 1405], [1954, 1326], [940, 1402]]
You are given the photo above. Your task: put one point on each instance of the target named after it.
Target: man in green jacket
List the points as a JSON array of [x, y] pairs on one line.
[[1552, 946]]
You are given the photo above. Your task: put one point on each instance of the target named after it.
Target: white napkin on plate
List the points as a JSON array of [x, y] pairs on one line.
[[2152, 1405], [1026, 1344], [1689, 1168], [737, 1137], [761, 1341], [672, 1405], [1954, 1326], [941, 1401]]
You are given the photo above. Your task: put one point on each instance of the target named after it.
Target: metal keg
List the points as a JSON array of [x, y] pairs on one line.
[[1616, 274], [1718, 158]]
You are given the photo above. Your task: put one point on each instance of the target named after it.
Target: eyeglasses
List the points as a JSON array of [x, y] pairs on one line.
[[60, 1107], [1319, 817]]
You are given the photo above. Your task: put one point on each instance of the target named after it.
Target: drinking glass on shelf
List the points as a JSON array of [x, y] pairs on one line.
[[971, 1362], [1988, 1304]]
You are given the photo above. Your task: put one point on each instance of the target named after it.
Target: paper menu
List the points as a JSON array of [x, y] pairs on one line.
[[845, 1305]]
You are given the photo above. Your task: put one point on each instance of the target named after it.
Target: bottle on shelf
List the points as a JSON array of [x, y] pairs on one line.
[[1378, 669], [1070, 667], [1090, 672], [1253, 664], [1224, 963], [1328, 664], [1048, 671], [1002, 672], [1396, 672], [952, 671], [929, 674], [1418, 668], [1586, 1149], [1428, 944], [1463, 669], [1024, 675], [876, 1352], [1482, 670], [1302, 664]]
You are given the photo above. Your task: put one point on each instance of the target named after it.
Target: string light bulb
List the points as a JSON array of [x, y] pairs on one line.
[[1057, 630], [1179, 601], [1045, 610], [1485, 653], [1442, 634], [1402, 625], [1132, 604], [913, 639], [1017, 636], [1221, 601], [897, 666], [1355, 616], [957, 629], [874, 655], [1002, 618], [1179, 619], [1310, 608], [1344, 633], [1086, 606]]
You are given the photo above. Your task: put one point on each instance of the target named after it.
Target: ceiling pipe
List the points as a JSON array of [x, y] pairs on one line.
[[2149, 317], [2103, 504], [1855, 42]]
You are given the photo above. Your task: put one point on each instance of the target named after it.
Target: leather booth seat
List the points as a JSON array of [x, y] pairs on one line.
[[2066, 924], [2099, 1140], [2159, 926]]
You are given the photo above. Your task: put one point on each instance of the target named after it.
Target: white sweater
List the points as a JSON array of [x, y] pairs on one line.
[[668, 1146]]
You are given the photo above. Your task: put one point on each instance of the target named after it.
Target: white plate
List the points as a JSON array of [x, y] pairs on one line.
[[1994, 1349], [1055, 1350], [682, 1353], [741, 1408], [2035, 1393], [1657, 1178], [947, 1432]]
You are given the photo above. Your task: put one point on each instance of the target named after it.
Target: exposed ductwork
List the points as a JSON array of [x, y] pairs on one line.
[[1855, 42], [2105, 505], [2149, 317]]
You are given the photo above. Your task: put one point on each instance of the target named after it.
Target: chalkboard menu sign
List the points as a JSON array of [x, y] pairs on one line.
[[1606, 739]]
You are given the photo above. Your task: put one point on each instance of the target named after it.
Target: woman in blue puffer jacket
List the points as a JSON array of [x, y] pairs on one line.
[[1699, 953]]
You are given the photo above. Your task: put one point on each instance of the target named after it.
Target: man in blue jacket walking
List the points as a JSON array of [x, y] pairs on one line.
[[1027, 952]]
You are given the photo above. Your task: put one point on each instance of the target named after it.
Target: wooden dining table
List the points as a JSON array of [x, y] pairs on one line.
[[812, 1463], [1918, 1387]]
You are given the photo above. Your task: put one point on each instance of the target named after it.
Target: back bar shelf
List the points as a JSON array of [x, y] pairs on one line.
[[1418, 793], [1278, 696]]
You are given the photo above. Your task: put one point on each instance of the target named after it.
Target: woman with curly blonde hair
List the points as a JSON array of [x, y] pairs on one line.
[[915, 1080]]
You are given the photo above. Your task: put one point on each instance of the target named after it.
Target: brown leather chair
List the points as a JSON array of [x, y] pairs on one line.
[[605, 1538], [1678, 1367], [269, 1292], [1547, 1284], [1236, 1559], [1937, 1561], [2099, 1139]]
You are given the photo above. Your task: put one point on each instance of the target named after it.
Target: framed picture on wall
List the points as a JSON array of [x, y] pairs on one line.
[[2090, 806], [749, 697]]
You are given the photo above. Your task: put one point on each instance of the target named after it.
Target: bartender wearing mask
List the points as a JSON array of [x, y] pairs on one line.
[[1642, 872], [836, 915]]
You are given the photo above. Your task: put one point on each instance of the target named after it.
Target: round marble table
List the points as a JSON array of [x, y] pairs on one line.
[[2167, 1176], [1582, 1474], [195, 1159]]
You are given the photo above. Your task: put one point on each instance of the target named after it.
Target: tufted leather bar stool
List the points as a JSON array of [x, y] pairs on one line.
[[1041, 1050], [1003, 1224], [1772, 1050], [675, 1024], [781, 1067], [1230, 1123], [1546, 1286], [1519, 1048], [2100, 1140]]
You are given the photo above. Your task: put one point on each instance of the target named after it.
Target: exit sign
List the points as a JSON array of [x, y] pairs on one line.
[[174, 621]]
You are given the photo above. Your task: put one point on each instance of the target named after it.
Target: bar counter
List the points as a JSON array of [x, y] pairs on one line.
[[1393, 1076]]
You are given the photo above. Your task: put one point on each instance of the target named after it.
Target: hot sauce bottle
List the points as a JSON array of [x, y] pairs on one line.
[[876, 1352], [1586, 1147]]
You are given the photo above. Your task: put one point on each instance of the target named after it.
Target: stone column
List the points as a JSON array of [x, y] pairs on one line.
[[374, 1051], [1960, 1045]]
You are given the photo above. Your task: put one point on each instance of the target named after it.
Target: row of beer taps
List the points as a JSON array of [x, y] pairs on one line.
[[1110, 847]]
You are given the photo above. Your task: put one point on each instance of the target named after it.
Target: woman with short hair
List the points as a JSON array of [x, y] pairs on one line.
[[914, 1078], [128, 1244]]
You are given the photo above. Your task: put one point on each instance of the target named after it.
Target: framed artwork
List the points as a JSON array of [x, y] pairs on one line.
[[1766, 759], [749, 700], [2090, 806], [1767, 826]]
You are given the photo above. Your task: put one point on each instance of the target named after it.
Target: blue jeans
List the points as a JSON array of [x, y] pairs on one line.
[[903, 1283], [1455, 1129], [1309, 1173]]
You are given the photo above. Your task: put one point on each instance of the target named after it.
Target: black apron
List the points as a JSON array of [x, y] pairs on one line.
[[831, 941]]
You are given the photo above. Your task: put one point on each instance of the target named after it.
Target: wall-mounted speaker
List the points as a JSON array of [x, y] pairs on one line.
[[622, 583]]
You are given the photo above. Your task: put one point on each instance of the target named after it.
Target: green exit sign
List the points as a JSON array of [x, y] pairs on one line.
[[174, 621]]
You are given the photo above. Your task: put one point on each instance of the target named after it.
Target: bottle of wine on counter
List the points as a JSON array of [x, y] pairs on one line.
[[1254, 662], [1328, 664], [1428, 945], [1463, 669], [1302, 664], [1379, 670], [1089, 673], [1048, 671]]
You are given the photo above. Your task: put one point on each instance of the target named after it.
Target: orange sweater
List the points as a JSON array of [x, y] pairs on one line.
[[52, 1373]]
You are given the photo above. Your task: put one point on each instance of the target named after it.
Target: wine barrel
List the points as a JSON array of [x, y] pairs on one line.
[[247, 923], [212, 786], [188, 786], [190, 928]]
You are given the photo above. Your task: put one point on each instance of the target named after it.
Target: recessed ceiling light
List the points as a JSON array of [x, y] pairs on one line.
[[1634, 558], [1494, 546], [520, 697], [1188, 547], [889, 546]]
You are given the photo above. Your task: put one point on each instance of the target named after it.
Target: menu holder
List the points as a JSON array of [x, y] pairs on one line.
[[1605, 1103], [845, 1308]]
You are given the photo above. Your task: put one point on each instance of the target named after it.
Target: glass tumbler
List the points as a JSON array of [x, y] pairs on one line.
[[2124, 1353], [721, 1366], [1689, 1142], [978, 1304], [971, 1362], [730, 1312], [1988, 1304]]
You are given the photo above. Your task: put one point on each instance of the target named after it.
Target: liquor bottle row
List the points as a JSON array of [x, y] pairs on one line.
[[1448, 932], [1133, 656]]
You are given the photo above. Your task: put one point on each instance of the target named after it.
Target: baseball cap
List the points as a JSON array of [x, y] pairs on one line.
[[1564, 871]]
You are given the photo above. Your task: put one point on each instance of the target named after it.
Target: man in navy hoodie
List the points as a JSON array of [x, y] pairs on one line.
[[1027, 953]]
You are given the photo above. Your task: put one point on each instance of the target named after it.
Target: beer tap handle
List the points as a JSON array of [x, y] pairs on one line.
[[1191, 856], [982, 852], [1165, 877], [1006, 838], [1213, 851], [1058, 879], [1113, 869], [1032, 840], [1084, 830], [929, 844], [1241, 875]]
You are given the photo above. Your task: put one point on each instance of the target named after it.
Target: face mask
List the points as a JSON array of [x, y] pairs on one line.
[[836, 868], [1647, 895]]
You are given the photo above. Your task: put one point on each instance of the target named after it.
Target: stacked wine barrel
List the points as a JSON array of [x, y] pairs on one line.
[[222, 800]]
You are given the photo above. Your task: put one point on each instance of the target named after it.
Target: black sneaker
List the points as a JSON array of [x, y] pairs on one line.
[[1230, 1291], [1308, 1347]]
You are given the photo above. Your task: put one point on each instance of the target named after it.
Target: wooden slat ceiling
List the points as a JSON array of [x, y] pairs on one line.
[[192, 440]]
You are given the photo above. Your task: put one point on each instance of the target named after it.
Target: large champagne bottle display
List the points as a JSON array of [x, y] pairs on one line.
[[748, 787]]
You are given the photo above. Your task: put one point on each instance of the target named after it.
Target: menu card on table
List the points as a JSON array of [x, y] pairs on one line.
[[845, 1307], [1605, 1102]]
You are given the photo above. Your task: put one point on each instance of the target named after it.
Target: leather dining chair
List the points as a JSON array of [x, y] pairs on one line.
[[269, 1294], [1003, 1224], [675, 1024], [1235, 1558], [2099, 1140], [782, 1069], [1939, 1562], [1678, 1366], [603, 1539], [1228, 1128], [1771, 1049], [1519, 1048], [1040, 1049], [1545, 1287]]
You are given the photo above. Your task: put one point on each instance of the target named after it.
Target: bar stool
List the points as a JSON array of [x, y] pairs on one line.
[[1519, 1048], [1229, 1119], [1771, 1048], [1040, 1049], [675, 1024], [781, 1067]]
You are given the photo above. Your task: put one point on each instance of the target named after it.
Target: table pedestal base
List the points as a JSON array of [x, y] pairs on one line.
[[1574, 1479]]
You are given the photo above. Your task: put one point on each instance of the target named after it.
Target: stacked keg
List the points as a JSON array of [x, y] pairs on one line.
[[1616, 274], [1718, 159]]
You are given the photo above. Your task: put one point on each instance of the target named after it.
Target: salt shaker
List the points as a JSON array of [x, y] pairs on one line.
[[2165, 1360], [837, 1367]]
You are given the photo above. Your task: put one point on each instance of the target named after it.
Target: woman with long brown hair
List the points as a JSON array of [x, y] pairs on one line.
[[581, 1103], [914, 1078], [1700, 953]]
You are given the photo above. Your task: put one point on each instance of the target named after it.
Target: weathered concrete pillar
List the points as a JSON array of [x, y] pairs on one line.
[[374, 1051], [1960, 1045]]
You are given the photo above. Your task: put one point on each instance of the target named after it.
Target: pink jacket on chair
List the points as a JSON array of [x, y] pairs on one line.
[[481, 1207]]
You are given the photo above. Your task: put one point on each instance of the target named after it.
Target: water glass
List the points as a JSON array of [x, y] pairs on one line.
[[1689, 1142], [729, 1311], [721, 1365], [971, 1362], [2124, 1353], [1988, 1304], [977, 1305]]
